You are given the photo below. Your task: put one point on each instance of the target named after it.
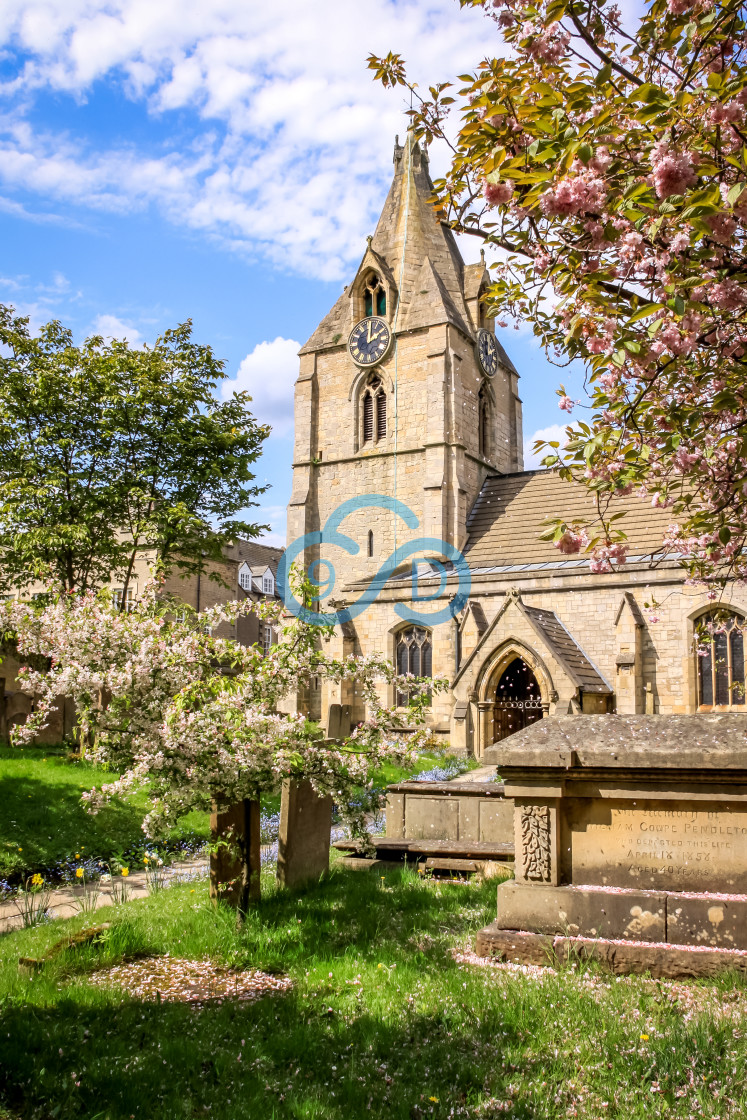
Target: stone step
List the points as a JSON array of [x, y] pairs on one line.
[[661, 959], [396, 847]]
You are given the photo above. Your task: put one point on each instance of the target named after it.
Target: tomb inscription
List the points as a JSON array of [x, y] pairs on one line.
[[659, 845]]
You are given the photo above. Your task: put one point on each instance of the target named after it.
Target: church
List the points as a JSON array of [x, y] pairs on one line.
[[408, 432]]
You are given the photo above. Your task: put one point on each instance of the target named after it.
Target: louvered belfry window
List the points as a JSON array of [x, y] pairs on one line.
[[381, 415], [374, 411], [368, 413], [482, 422]]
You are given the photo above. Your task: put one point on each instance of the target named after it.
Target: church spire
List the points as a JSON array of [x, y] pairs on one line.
[[410, 230]]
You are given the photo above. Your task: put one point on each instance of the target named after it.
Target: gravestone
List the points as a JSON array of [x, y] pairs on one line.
[[305, 834], [235, 853], [306, 818], [629, 830]]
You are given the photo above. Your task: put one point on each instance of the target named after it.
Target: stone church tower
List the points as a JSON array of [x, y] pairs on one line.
[[423, 424], [405, 393]]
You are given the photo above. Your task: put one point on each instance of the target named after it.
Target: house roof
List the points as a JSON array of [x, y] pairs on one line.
[[509, 515], [259, 556]]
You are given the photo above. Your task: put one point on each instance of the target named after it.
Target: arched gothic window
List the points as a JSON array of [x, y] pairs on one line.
[[374, 411], [719, 639], [482, 423], [414, 655], [370, 542], [374, 296]]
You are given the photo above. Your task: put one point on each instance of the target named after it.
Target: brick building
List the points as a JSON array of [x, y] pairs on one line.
[[405, 393]]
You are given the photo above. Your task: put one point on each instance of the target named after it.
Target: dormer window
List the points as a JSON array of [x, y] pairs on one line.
[[268, 584], [245, 578], [374, 296], [374, 411]]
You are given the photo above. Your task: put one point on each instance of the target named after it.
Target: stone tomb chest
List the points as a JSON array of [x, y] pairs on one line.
[[632, 828]]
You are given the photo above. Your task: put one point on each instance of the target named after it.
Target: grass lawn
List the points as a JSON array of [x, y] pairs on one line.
[[381, 1020], [44, 824]]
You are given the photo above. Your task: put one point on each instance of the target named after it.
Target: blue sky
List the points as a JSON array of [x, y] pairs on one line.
[[221, 162]]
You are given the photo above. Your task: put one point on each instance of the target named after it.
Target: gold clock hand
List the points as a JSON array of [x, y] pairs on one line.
[[370, 324]]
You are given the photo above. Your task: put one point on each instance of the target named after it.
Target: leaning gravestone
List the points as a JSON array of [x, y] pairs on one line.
[[631, 843], [306, 818], [235, 862]]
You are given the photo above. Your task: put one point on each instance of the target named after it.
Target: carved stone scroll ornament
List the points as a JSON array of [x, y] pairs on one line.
[[535, 842]]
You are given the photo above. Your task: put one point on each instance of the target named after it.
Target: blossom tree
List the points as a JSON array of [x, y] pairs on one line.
[[606, 162], [194, 718]]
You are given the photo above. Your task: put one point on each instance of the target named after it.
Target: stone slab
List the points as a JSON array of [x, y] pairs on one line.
[[397, 847], [496, 821], [432, 818], [628, 915], [304, 835], [678, 742], [661, 960], [669, 845], [360, 863], [707, 920]]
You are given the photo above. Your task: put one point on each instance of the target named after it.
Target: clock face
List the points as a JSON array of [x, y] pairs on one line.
[[487, 351], [369, 341]]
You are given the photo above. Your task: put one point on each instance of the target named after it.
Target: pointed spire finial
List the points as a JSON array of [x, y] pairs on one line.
[[482, 256], [369, 239]]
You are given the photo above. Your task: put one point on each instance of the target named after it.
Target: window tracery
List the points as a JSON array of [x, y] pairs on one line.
[[719, 641], [374, 296], [413, 655]]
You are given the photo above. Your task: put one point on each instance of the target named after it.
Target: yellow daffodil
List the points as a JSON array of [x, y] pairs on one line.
[[36, 880], [125, 872], [79, 873]]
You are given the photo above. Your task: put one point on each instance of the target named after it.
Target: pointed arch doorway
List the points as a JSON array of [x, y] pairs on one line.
[[518, 700]]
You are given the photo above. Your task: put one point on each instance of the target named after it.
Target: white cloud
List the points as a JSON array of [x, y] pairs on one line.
[[269, 374], [284, 140], [554, 432], [111, 327]]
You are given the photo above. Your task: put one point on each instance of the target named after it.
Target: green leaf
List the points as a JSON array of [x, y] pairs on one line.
[[645, 311]]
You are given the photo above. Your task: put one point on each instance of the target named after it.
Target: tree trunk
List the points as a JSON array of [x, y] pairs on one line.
[[235, 855]]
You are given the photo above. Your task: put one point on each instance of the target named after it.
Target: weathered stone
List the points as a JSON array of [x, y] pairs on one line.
[[305, 833], [630, 915], [629, 842], [662, 961], [707, 920], [456, 811], [235, 855]]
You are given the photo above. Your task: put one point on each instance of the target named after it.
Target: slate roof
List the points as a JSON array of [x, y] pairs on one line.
[[508, 517], [567, 651], [260, 556]]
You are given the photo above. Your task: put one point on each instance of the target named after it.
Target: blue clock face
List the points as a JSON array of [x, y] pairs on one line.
[[369, 341], [487, 351]]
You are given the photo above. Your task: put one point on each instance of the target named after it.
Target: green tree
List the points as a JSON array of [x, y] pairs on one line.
[[106, 450], [605, 157]]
